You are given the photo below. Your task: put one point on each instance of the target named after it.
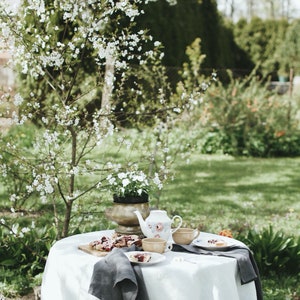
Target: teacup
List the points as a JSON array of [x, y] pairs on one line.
[[156, 245], [185, 236]]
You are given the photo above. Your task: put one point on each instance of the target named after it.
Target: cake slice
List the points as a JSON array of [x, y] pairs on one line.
[[140, 257]]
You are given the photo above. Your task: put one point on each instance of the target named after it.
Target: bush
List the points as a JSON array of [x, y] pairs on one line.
[[245, 118], [23, 253], [13, 174], [281, 287], [274, 252]]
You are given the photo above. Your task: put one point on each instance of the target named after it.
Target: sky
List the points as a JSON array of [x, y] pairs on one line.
[[241, 5]]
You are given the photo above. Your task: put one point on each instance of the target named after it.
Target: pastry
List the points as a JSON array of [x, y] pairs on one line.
[[216, 243], [106, 244], [140, 257], [220, 244]]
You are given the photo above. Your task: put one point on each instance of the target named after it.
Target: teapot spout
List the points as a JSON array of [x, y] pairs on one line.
[[146, 231]]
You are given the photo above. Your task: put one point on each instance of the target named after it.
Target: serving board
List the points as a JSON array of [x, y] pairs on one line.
[[89, 250]]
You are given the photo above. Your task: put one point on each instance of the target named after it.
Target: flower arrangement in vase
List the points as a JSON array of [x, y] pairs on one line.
[[130, 193], [129, 187]]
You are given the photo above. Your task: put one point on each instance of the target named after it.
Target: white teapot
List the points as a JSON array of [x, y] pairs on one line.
[[157, 224]]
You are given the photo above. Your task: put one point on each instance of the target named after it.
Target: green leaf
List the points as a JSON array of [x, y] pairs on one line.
[[8, 262]]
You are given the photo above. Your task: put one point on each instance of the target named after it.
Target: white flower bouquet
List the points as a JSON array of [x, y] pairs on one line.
[[132, 184]]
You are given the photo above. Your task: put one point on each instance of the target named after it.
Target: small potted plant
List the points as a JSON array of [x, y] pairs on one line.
[[130, 191]]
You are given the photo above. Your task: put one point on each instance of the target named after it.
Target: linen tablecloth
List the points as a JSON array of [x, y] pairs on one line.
[[181, 276]]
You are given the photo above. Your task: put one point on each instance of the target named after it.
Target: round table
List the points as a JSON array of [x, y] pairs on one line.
[[181, 276]]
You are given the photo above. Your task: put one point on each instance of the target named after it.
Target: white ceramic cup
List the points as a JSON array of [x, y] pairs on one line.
[[184, 236], [157, 245]]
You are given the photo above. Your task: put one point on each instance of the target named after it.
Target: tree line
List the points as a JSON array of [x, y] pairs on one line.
[[269, 43]]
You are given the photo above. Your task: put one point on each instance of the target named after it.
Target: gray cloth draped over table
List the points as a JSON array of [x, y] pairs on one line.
[[115, 278], [246, 264]]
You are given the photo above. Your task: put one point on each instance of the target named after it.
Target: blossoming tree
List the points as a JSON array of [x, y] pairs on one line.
[[77, 57]]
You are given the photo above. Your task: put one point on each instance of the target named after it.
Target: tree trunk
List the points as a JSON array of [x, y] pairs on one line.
[[69, 201], [108, 83], [67, 219]]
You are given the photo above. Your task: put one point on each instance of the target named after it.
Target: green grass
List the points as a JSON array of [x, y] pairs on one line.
[[216, 192]]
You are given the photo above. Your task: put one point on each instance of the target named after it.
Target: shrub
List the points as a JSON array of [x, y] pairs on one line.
[[13, 165], [244, 118], [23, 253], [274, 252]]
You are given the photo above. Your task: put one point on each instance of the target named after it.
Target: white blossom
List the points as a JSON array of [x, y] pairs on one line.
[[18, 99], [25, 229], [53, 59], [157, 181], [29, 189], [48, 187], [13, 198], [122, 175], [125, 182], [14, 229]]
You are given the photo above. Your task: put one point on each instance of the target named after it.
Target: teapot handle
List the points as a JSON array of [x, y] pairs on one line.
[[180, 223]]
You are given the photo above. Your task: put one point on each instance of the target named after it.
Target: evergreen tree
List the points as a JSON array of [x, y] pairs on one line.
[[179, 25]]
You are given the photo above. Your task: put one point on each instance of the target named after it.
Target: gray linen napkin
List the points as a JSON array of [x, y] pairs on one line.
[[114, 278], [246, 264]]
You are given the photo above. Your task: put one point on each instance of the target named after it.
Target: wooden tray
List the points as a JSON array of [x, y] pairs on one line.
[[89, 250]]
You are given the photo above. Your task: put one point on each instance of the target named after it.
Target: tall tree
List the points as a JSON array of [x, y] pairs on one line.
[[178, 26]]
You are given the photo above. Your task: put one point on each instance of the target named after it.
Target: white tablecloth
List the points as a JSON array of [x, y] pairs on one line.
[[199, 277]]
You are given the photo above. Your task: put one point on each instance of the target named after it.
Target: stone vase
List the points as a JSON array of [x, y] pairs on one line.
[[122, 213]]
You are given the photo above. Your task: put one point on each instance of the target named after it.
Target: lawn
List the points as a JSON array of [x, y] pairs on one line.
[[215, 192]]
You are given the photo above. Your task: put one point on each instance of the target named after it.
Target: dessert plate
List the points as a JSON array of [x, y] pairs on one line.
[[213, 243], [155, 258]]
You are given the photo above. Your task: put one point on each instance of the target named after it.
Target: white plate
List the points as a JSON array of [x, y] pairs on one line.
[[204, 243], [155, 257]]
